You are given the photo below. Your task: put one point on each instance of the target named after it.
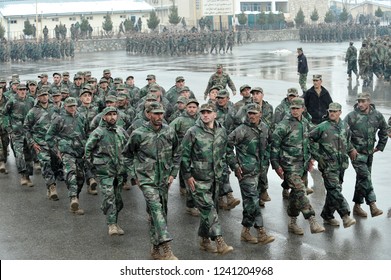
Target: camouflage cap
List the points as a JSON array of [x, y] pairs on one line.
[[151, 77], [257, 89], [22, 86], [155, 107], [334, 106], [223, 93], [122, 97], [81, 73], [317, 77], [85, 90], [42, 92], [65, 73], [2, 80], [208, 107], [364, 96], [120, 87], [118, 80], [56, 93], [92, 80], [297, 102], [179, 78], [87, 73], [184, 89], [56, 73], [64, 90], [111, 98], [106, 71], [182, 99], [43, 75], [15, 82], [253, 108], [292, 91], [244, 86], [219, 66], [15, 76], [109, 109], [151, 97], [154, 87], [103, 80], [192, 100], [32, 83], [77, 76], [300, 49], [130, 77], [70, 101], [217, 87]]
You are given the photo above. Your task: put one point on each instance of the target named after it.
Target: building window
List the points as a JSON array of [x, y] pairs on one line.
[[122, 16], [72, 19], [90, 18], [54, 19], [250, 6]]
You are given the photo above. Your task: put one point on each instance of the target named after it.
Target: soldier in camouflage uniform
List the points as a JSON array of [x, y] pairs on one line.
[[302, 69], [220, 78], [181, 125], [65, 82], [250, 141], [151, 79], [16, 110], [365, 122], [333, 137], [36, 125], [291, 158], [351, 59], [4, 138], [154, 154], [203, 160], [76, 87], [132, 89], [104, 151], [67, 136], [365, 64], [43, 80], [179, 108], [245, 92]]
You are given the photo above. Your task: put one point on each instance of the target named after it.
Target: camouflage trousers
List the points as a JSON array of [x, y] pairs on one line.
[[363, 188], [189, 197], [111, 189], [298, 200], [352, 66], [50, 164], [387, 72], [4, 142], [225, 185], [263, 182], [23, 154], [252, 216], [206, 196], [335, 201], [74, 174], [303, 81], [156, 199]]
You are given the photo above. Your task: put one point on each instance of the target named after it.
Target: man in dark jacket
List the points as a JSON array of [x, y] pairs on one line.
[[302, 69]]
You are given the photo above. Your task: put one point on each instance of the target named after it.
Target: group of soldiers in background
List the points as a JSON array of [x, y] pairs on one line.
[[324, 32], [186, 42]]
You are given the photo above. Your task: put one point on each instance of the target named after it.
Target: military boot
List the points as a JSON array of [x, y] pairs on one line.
[[29, 182], [331, 222], [347, 221], [293, 227], [2, 167], [222, 203], [113, 230], [37, 167], [92, 184], [314, 226], [74, 206], [285, 193], [222, 248], [309, 190], [206, 245], [193, 211], [246, 236], [265, 196], [155, 252], [120, 230], [232, 202], [357, 210], [263, 238], [374, 210], [52, 192], [23, 180], [182, 191], [167, 251]]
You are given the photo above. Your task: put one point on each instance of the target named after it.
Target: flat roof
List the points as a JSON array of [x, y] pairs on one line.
[[30, 8]]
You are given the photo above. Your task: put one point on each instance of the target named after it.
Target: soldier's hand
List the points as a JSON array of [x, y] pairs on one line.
[[234, 92], [238, 173], [191, 183], [170, 180], [280, 172], [310, 165], [36, 147], [353, 154]]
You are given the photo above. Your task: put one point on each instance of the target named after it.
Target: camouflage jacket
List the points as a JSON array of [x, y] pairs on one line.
[[37, 123], [251, 143], [68, 134], [4, 122], [173, 93], [182, 124], [351, 54], [16, 110], [290, 145], [267, 114], [242, 103], [89, 113], [364, 128], [333, 145], [123, 120], [133, 93], [223, 80], [203, 152], [104, 149], [153, 155], [281, 111], [226, 116]]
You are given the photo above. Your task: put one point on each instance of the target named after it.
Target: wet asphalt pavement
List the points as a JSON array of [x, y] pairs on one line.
[[34, 228]]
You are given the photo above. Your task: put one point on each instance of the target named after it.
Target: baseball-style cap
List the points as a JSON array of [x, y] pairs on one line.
[[219, 66], [2, 80], [120, 87], [151, 97], [22, 86], [87, 73], [43, 75], [300, 49], [192, 100], [334, 106], [117, 80], [42, 92], [151, 77], [65, 73], [70, 101], [292, 91], [179, 78], [154, 87], [244, 86], [297, 102], [32, 83], [85, 91], [155, 107], [182, 99], [109, 109], [111, 98], [218, 87], [363, 96], [103, 80], [130, 77], [92, 80], [15, 82], [77, 76], [185, 88], [253, 108], [223, 93], [56, 73], [316, 77], [208, 107], [122, 96], [56, 93], [256, 89], [64, 90], [106, 71]]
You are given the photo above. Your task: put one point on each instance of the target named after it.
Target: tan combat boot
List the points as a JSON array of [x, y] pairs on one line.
[[167, 252], [285, 193], [293, 227], [309, 190], [37, 167], [52, 192], [2, 167], [120, 230], [331, 222], [263, 238], [357, 210], [113, 230], [246, 236], [222, 248], [29, 182], [374, 210], [23, 180], [347, 221], [232, 202], [222, 203], [155, 252], [74, 206], [193, 211], [314, 226], [206, 245], [265, 196], [92, 184]]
